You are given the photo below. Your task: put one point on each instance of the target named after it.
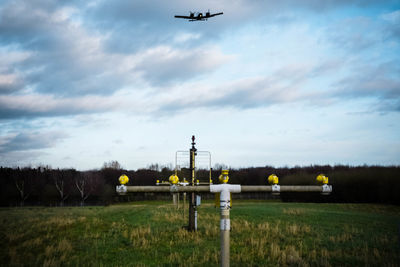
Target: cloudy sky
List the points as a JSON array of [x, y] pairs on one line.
[[278, 83]]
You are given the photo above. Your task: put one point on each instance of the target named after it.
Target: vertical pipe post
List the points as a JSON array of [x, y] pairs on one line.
[[184, 205], [192, 203], [225, 227], [225, 191]]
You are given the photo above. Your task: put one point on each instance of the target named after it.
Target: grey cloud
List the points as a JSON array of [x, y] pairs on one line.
[[258, 93], [67, 59], [26, 141], [286, 86], [361, 33], [28, 23], [162, 65], [392, 27], [129, 22], [29, 106], [63, 59], [42, 105], [381, 82], [9, 86], [282, 86], [354, 34]]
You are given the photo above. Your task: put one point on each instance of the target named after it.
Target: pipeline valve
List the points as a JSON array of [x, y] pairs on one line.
[[173, 179], [274, 180], [224, 178], [322, 179], [122, 189]]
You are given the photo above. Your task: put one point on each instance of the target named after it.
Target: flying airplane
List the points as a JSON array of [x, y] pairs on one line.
[[198, 16]]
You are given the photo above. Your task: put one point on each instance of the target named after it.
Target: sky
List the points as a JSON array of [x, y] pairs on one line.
[[277, 83]]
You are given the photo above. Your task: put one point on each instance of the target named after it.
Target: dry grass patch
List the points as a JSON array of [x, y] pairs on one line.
[[294, 211], [59, 222], [33, 243]]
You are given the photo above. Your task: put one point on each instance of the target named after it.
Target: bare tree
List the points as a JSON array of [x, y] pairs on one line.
[[21, 183], [86, 183], [154, 167], [112, 165], [60, 181]]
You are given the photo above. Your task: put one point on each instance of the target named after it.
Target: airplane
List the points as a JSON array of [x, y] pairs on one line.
[[199, 16]]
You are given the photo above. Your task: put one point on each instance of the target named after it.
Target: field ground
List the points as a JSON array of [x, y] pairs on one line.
[[150, 234]]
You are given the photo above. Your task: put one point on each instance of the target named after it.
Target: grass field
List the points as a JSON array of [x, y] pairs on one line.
[[151, 234]]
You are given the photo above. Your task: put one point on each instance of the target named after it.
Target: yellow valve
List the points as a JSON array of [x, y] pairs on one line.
[[123, 179], [173, 179], [322, 179], [273, 179], [223, 178]]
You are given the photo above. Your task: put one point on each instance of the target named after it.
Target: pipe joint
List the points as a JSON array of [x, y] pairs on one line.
[[173, 189], [326, 189], [276, 189], [121, 189]]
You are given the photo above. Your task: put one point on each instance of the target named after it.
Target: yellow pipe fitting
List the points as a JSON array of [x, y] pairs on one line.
[[321, 178], [224, 178], [273, 179], [123, 179], [173, 179]]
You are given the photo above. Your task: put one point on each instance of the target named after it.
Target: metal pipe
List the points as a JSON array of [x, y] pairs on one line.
[[206, 188], [165, 189], [283, 188], [225, 191], [225, 238]]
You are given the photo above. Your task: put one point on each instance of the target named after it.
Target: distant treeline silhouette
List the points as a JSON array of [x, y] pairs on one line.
[[57, 187]]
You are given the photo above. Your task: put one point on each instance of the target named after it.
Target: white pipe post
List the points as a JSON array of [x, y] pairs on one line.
[[225, 191]]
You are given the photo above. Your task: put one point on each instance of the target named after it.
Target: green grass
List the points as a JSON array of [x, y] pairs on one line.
[[151, 234]]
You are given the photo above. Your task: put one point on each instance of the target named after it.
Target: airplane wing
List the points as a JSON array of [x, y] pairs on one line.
[[216, 14], [183, 17]]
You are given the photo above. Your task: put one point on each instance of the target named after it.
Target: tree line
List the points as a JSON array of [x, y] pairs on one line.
[[58, 187]]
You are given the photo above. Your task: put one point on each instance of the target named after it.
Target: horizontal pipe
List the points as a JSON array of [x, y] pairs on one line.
[[206, 188], [155, 189], [283, 188]]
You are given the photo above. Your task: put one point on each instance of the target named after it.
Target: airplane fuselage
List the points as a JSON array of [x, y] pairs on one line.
[[199, 17]]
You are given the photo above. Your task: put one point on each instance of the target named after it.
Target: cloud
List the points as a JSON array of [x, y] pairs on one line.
[[42, 105], [68, 58], [282, 86], [128, 23], [163, 65], [379, 82], [10, 79], [9, 83], [360, 33], [354, 34], [392, 28], [65, 58], [26, 141]]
